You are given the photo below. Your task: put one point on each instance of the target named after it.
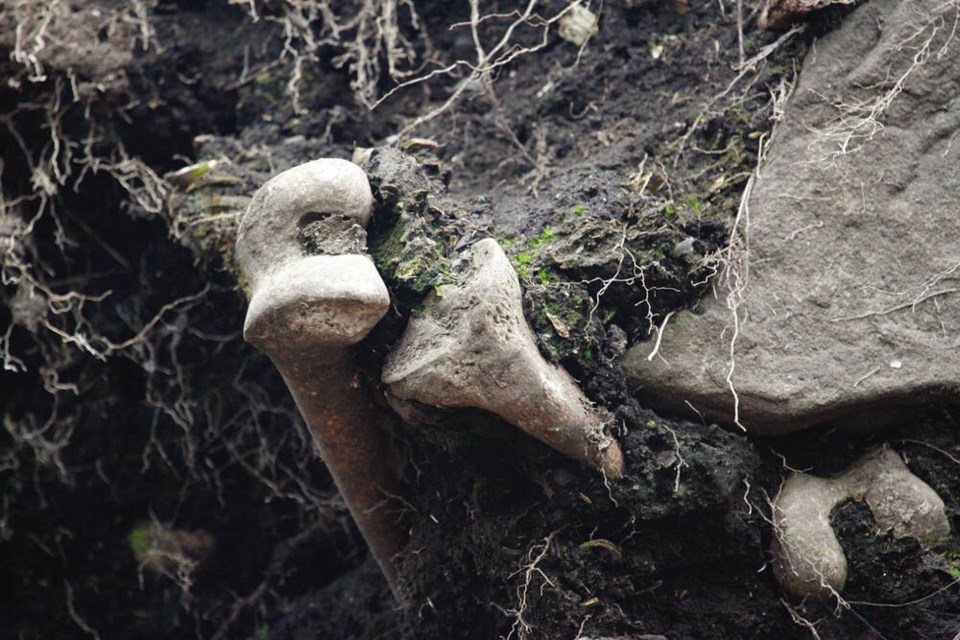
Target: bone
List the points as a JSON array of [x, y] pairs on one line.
[[808, 559], [305, 313], [471, 347]]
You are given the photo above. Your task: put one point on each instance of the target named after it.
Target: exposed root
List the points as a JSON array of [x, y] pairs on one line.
[[749, 68], [72, 610], [490, 58], [800, 621], [521, 628], [370, 39], [859, 121], [73, 334]]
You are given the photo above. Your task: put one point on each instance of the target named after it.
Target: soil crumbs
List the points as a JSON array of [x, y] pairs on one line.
[[610, 174]]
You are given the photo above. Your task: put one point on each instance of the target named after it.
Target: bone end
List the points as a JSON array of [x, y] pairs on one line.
[[808, 559]]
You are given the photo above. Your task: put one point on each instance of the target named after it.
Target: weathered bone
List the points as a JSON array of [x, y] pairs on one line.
[[307, 310], [472, 348], [808, 559]]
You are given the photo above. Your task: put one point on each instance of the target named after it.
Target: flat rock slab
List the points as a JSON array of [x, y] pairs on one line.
[[846, 283]]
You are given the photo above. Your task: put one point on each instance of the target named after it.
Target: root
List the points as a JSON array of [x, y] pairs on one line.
[[749, 68], [521, 627], [733, 262], [71, 609], [927, 291], [800, 621], [369, 38], [490, 58], [859, 121], [68, 331], [680, 462], [629, 272]]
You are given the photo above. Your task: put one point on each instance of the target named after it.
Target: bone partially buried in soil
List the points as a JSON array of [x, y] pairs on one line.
[[808, 559], [472, 347], [305, 313]]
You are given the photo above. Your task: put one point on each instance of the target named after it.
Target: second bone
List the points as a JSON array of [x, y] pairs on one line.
[[808, 558], [471, 347]]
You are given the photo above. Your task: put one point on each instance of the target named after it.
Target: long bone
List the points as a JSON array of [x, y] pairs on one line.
[[472, 348], [808, 559], [305, 313]]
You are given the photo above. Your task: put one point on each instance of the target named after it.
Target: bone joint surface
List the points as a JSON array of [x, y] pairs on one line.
[[808, 559], [305, 313], [472, 347]]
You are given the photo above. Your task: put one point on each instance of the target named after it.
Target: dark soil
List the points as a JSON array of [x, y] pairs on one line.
[[609, 175]]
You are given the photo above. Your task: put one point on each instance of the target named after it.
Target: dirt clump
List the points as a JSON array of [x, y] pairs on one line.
[[610, 175]]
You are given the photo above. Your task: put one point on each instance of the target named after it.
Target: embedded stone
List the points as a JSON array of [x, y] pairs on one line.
[[840, 302]]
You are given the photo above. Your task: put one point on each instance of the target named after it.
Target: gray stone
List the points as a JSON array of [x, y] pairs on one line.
[[472, 347], [808, 559], [846, 278]]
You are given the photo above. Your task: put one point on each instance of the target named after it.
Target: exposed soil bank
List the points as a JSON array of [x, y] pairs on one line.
[[596, 170]]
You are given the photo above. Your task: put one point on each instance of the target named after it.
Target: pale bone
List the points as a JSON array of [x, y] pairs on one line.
[[808, 559], [305, 313], [471, 347]]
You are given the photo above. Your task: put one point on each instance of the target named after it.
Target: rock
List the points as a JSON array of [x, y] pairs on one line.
[[849, 309], [472, 347], [808, 559]]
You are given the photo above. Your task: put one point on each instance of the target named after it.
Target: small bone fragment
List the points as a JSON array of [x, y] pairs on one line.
[[472, 347], [808, 559], [306, 311]]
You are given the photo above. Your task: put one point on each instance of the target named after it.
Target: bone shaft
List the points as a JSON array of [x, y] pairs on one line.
[[353, 439], [570, 428]]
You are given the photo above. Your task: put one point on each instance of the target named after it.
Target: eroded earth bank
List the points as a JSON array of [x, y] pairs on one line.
[[621, 320]]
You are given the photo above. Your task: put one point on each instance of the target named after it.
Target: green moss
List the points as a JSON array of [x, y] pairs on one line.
[[952, 560], [528, 258], [545, 236], [408, 256], [561, 317], [694, 203], [139, 541]]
